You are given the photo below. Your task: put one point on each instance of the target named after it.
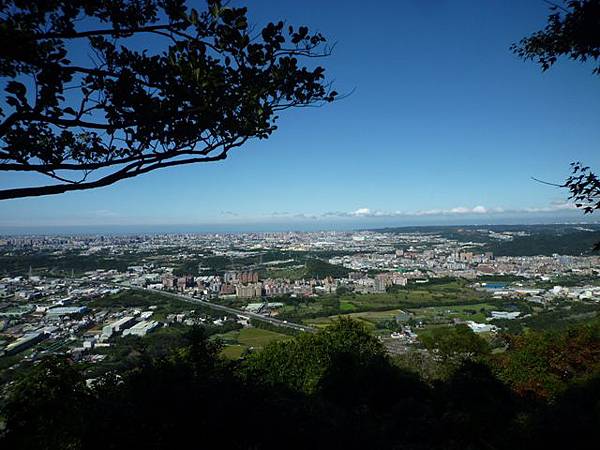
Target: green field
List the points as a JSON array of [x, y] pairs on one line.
[[476, 312], [432, 314], [445, 294], [255, 338], [450, 293], [232, 351], [369, 318], [258, 338]]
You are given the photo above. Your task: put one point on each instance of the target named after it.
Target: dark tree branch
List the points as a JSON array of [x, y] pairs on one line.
[[108, 32], [138, 167], [547, 182], [102, 182], [145, 158], [207, 88]]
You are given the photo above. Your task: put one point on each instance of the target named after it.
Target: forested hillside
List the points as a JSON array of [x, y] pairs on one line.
[[334, 389]]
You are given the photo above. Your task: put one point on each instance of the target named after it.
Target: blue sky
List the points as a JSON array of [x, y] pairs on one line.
[[444, 125]]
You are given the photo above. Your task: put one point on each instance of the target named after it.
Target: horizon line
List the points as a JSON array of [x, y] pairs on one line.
[[28, 230]]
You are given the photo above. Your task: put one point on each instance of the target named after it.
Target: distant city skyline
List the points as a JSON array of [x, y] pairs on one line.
[[444, 126], [298, 225]]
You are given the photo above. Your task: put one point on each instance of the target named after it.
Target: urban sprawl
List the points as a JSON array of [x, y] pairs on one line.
[[282, 280]]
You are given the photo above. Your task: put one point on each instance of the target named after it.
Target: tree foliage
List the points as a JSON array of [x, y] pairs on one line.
[[546, 363], [455, 343], [304, 363], [584, 188], [47, 409], [163, 85], [334, 389], [573, 31]]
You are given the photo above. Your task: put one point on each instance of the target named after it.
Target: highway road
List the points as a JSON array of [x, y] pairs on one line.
[[237, 312]]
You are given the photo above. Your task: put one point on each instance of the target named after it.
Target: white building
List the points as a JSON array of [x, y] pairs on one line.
[[118, 326], [142, 328]]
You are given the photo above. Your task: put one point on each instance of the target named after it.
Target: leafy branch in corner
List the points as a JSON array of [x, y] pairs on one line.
[[162, 85]]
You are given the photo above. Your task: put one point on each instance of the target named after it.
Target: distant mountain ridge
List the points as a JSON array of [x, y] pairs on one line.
[[564, 239]]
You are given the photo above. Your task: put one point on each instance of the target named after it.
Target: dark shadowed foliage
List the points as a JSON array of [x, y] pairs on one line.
[[334, 389]]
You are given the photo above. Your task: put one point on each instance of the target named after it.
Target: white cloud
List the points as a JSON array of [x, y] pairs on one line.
[[455, 211], [361, 212], [104, 213], [554, 206], [368, 213], [460, 210]]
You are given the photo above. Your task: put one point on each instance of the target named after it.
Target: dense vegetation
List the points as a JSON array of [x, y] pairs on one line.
[[334, 389], [541, 239], [569, 243], [316, 268], [18, 263]]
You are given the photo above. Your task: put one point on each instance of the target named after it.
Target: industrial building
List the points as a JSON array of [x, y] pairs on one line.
[[24, 342], [117, 326], [142, 328], [66, 311]]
